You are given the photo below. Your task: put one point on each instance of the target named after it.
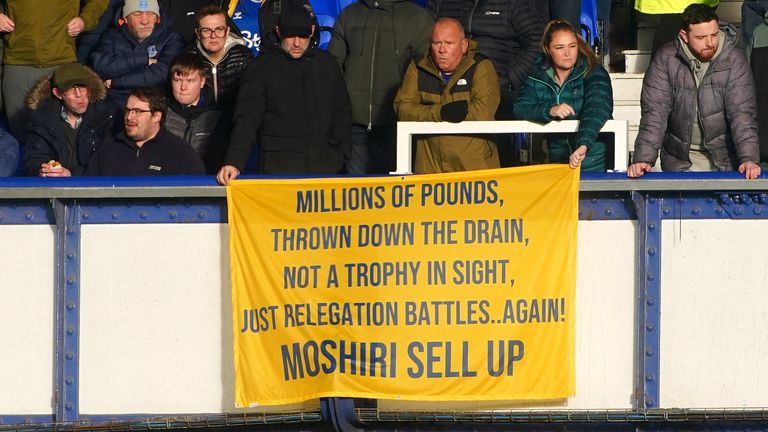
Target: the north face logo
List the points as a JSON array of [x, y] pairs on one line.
[[144, 5]]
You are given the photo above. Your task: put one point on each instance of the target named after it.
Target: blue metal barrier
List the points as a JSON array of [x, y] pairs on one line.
[[68, 204]]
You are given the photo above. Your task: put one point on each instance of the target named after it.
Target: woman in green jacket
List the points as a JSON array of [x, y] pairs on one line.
[[566, 83]]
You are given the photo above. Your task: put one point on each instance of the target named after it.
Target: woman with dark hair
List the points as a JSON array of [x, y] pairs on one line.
[[567, 83]]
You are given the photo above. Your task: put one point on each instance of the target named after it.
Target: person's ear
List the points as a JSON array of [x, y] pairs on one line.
[[56, 93], [464, 45], [684, 35], [313, 31]]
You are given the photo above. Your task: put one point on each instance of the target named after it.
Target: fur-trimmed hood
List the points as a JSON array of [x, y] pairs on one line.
[[41, 91]]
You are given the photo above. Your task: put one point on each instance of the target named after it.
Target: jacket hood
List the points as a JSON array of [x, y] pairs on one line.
[[42, 91], [381, 4]]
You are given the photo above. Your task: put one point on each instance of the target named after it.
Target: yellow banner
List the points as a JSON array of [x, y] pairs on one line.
[[436, 287]]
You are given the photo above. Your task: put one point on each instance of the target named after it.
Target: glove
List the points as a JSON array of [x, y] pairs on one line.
[[454, 112]]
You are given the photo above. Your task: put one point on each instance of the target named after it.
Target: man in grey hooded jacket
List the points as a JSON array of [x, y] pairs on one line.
[[698, 102]]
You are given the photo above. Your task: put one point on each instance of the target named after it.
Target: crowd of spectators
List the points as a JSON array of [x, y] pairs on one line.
[[173, 87]]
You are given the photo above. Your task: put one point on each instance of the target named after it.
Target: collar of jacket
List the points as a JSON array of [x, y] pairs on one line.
[[205, 103], [122, 138]]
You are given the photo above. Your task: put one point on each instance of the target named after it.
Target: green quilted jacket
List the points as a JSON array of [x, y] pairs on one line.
[[589, 94]]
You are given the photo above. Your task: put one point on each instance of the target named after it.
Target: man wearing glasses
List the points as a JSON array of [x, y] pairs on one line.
[[224, 53], [145, 147], [69, 122], [138, 52]]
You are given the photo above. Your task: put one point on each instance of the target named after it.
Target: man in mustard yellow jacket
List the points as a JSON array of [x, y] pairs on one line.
[[450, 83]]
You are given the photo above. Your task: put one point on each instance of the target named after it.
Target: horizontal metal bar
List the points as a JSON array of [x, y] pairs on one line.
[[567, 416], [205, 187]]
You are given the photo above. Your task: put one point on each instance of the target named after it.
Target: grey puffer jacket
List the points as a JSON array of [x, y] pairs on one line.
[[727, 108], [374, 41]]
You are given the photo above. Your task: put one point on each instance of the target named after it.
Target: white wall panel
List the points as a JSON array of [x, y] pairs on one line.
[[714, 314], [26, 319]]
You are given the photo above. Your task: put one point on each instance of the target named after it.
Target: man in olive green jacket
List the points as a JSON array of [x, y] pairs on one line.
[[374, 41], [39, 36], [451, 83]]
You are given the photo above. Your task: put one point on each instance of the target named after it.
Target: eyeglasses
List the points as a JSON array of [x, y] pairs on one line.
[[134, 111], [218, 31], [75, 88]]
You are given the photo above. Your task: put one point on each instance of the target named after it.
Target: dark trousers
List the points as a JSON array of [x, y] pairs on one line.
[[373, 152]]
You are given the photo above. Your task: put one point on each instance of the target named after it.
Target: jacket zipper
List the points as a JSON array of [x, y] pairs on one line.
[[370, 85], [215, 84], [562, 87], [557, 93]]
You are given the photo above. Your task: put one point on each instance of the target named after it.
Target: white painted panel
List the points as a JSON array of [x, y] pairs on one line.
[[630, 113], [626, 87], [714, 310], [26, 319], [157, 320], [154, 309], [604, 326]]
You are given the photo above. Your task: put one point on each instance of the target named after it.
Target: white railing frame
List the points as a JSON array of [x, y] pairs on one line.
[[406, 130]]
